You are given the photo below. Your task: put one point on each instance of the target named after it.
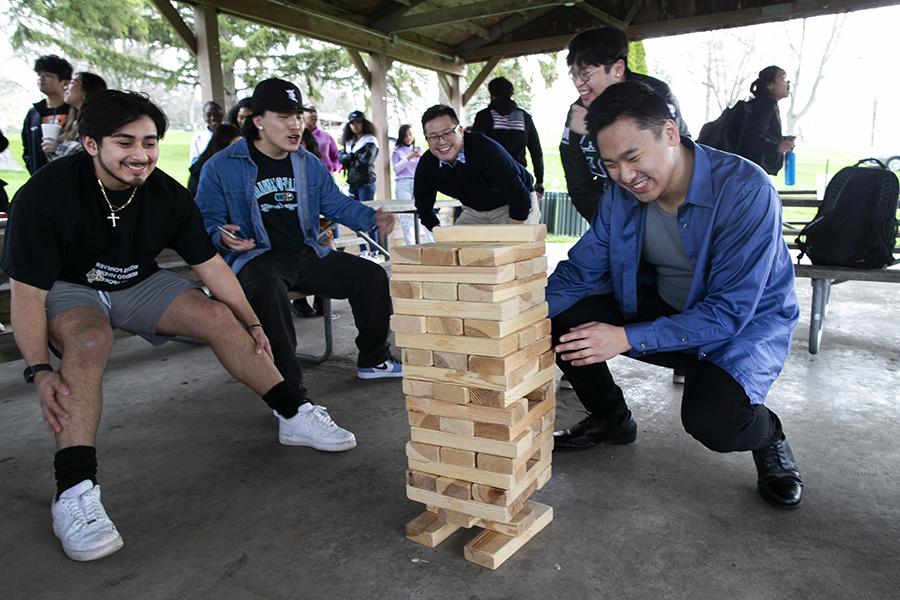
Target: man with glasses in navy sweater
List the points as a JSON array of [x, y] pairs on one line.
[[492, 187]]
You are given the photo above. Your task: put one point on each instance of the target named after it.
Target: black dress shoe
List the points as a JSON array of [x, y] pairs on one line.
[[592, 431], [302, 308], [779, 479]]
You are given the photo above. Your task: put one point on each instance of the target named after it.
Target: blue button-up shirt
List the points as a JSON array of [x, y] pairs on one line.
[[460, 158], [741, 308]]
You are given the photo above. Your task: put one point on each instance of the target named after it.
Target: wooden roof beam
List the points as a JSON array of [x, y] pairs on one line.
[[287, 16], [602, 15], [449, 16], [181, 28], [489, 66], [504, 27]]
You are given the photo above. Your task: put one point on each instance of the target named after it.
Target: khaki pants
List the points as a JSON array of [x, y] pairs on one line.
[[498, 216]]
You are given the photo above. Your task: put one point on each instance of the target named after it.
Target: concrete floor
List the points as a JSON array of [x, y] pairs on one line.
[[210, 506]]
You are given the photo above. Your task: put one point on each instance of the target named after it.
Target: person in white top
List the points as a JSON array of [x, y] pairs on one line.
[[212, 114]]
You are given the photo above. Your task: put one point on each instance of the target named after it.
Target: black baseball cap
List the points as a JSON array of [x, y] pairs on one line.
[[356, 115], [276, 95]]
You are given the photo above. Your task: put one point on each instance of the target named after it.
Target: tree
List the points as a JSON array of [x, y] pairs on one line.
[[800, 52]]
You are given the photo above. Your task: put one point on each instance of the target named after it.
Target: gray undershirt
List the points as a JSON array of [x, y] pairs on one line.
[[664, 249]]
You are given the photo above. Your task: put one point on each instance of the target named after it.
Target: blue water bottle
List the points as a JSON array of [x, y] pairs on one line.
[[790, 168]]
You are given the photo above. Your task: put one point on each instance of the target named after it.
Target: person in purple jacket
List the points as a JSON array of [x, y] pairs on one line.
[[405, 159], [328, 150], [684, 265]]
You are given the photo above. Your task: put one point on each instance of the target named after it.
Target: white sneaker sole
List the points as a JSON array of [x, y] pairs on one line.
[[334, 447], [384, 375], [114, 545]]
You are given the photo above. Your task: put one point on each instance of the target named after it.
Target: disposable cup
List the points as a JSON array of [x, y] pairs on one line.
[[50, 131]]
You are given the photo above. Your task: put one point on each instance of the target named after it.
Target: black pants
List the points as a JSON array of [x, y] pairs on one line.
[[267, 279], [715, 410]]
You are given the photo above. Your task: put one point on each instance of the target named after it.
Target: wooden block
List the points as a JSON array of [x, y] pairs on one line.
[[456, 426], [428, 529], [416, 357], [509, 416], [537, 412], [424, 421], [511, 449], [483, 292], [502, 274], [530, 267], [500, 481], [493, 328], [491, 549], [422, 481], [520, 522], [514, 497], [408, 323], [444, 325], [511, 386], [423, 452], [414, 387], [434, 290], [486, 397], [490, 365], [462, 458], [490, 311], [457, 518], [453, 394], [499, 254], [484, 346], [495, 464], [411, 255], [450, 360], [454, 488], [436, 254], [533, 333], [490, 233], [406, 289], [546, 359]]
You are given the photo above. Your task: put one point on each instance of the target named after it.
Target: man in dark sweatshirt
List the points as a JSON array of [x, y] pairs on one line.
[[492, 187], [511, 127], [54, 74]]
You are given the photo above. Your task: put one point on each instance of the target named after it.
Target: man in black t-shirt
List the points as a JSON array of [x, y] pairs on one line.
[[54, 74], [80, 248]]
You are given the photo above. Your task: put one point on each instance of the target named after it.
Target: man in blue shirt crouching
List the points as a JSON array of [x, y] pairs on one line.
[[683, 266]]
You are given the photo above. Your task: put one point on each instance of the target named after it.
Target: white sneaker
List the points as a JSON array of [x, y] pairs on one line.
[[313, 427], [82, 525]]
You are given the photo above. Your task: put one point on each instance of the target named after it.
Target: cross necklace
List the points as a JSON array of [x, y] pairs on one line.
[[114, 209]]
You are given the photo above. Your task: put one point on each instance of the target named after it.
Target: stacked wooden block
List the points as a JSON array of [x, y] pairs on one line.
[[470, 317]]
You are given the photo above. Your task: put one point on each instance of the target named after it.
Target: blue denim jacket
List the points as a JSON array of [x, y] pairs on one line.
[[741, 308], [225, 195]]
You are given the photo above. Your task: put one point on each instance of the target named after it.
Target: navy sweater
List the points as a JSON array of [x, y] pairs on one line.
[[490, 178]]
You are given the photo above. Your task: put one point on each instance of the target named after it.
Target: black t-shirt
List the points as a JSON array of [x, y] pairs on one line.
[[277, 200], [59, 228], [58, 114]]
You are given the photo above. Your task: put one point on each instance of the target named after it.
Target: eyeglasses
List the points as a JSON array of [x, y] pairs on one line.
[[583, 76], [432, 138]]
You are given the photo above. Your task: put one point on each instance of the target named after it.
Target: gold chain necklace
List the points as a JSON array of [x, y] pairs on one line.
[[114, 209]]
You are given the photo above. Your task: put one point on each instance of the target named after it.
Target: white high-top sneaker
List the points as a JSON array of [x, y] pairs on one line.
[[82, 525], [313, 427]]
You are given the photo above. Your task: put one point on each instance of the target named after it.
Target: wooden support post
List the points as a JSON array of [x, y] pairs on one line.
[[360, 65], [455, 95], [209, 59], [379, 64]]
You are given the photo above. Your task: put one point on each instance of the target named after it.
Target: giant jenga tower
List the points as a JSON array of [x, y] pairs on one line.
[[470, 316]]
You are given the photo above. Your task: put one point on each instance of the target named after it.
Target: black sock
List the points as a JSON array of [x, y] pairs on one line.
[[284, 399], [73, 465]]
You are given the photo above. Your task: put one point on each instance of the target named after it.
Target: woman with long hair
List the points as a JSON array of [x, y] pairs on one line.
[[358, 155], [405, 159], [225, 135], [82, 86], [760, 139]]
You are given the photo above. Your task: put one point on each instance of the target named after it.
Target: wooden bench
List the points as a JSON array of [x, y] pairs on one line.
[[823, 277]]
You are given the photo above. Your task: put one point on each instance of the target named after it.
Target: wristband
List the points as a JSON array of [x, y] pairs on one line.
[[249, 327]]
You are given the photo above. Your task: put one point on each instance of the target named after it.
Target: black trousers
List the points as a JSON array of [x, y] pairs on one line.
[[715, 410], [267, 279]]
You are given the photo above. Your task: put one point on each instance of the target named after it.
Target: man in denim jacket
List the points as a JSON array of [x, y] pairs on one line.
[[684, 265], [261, 199]]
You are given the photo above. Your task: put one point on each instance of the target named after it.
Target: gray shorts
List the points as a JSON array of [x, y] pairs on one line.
[[137, 309]]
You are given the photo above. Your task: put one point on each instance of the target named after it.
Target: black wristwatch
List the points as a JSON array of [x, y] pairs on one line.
[[33, 370]]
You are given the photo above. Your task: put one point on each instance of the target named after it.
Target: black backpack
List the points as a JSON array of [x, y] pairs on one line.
[[726, 132], [856, 225]]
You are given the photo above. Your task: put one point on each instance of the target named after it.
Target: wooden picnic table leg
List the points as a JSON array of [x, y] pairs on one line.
[[821, 294]]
